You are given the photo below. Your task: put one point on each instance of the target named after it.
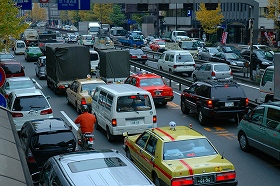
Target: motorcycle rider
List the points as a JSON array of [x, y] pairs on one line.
[[86, 121]]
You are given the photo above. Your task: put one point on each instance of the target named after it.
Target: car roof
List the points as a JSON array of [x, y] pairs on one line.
[[177, 51], [49, 124], [146, 75], [22, 78], [215, 63], [27, 92], [123, 89], [180, 133], [9, 61], [91, 80]]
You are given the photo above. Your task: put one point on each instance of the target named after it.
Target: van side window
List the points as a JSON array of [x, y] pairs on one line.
[[96, 94], [161, 57], [109, 102], [167, 57], [171, 58], [273, 118], [102, 98], [268, 76]]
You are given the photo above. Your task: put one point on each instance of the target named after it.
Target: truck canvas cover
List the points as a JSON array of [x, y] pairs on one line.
[[114, 63], [67, 62]]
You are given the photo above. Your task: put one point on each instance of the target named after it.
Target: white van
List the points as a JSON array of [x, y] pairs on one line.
[[94, 60], [176, 62], [20, 47], [123, 108], [267, 85]]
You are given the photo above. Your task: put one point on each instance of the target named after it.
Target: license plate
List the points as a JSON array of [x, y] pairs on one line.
[[229, 104], [135, 122], [204, 179]]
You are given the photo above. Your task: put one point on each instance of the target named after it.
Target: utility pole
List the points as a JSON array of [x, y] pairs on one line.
[[251, 46]]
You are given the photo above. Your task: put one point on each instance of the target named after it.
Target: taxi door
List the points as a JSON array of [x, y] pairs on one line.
[[72, 92]]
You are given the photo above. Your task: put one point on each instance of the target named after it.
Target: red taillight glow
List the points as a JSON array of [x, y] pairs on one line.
[[174, 66], [213, 73], [231, 73], [61, 87], [6, 95], [144, 56], [247, 102], [210, 103], [133, 57], [44, 112], [154, 119], [114, 122], [225, 176], [16, 115], [41, 44], [83, 101], [30, 158], [182, 181]]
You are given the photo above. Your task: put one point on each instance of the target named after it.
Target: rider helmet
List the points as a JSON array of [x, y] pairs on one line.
[[84, 108]]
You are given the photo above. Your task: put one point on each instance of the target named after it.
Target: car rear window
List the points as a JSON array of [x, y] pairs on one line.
[[57, 139], [133, 103], [184, 58], [221, 68], [187, 149], [227, 92], [93, 57], [28, 103], [151, 82], [93, 164], [12, 68]]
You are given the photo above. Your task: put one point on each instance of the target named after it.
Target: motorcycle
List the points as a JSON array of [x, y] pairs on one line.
[[86, 142]]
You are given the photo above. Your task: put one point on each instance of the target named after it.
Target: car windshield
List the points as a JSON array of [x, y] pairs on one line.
[[28, 103], [35, 50], [221, 68], [133, 103], [189, 45], [11, 85], [184, 58], [213, 50], [161, 43], [20, 45], [151, 82], [181, 34], [51, 140], [89, 37], [192, 148], [118, 32], [266, 48], [90, 86], [231, 56]]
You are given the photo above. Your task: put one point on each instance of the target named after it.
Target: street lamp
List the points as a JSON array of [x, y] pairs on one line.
[[251, 22]]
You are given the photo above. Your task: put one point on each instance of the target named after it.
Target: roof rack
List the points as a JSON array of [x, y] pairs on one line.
[[221, 82]]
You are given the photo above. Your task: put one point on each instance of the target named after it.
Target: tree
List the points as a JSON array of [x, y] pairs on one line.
[[138, 18], [37, 13], [102, 12], [64, 16], [74, 17], [209, 19], [273, 8], [117, 17], [11, 25]]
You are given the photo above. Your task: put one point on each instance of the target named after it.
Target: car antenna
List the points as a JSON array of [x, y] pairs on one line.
[[50, 125], [222, 156]]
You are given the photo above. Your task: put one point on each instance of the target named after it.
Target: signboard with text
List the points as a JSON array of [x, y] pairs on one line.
[[24, 4], [73, 4]]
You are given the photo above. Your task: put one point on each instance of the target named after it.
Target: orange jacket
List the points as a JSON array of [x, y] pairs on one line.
[[86, 121]]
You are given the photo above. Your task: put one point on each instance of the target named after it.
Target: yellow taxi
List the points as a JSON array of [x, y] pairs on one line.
[[80, 92], [178, 155]]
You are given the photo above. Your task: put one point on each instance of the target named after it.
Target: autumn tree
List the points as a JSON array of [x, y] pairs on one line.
[[273, 8], [209, 19], [37, 13], [117, 17], [11, 25], [64, 16], [102, 12]]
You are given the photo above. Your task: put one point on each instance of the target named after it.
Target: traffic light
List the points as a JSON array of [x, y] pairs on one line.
[[142, 7], [211, 6], [163, 6], [188, 6]]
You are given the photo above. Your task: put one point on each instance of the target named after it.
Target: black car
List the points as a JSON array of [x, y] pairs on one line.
[[229, 58], [229, 49], [260, 58], [44, 138], [217, 99]]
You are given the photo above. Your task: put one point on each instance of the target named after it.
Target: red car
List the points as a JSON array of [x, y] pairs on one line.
[[12, 68], [153, 83], [158, 46]]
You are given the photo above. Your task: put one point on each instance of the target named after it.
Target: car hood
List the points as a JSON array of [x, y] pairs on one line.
[[201, 165]]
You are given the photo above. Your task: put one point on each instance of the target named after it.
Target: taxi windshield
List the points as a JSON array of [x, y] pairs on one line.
[[174, 150]]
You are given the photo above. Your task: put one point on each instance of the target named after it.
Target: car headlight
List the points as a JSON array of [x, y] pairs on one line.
[[233, 63], [265, 63]]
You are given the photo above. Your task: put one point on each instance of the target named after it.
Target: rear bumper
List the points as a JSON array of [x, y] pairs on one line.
[[223, 114], [163, 99]]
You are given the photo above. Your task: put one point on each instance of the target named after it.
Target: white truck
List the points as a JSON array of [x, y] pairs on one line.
[[270, 82], [89, 28], [178, 35]]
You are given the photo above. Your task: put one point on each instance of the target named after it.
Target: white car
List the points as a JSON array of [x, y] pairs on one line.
[[27, 105]]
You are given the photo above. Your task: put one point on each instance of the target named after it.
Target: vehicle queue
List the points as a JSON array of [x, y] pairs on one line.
[[202, 180]]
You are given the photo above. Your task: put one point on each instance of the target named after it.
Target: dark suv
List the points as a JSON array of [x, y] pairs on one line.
[[44, 138], [215, 99]]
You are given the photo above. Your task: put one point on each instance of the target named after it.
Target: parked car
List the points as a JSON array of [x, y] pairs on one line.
[[229, 58], [40, 69], [212, 71], [153, 83], [80, 92], [28, 104], [179, 155], [260, 58], [12, 68], [137, 54], [215, 99], [96, 167], [157, 45], [206, 53], [15, 83], [32, 53], [260, 129], [43, 138]]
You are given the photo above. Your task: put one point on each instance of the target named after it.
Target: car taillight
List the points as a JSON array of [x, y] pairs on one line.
[[154, 119], [225, 176], [171, 92], [182, 181], [209, 103], [114, 122], [213, 73], [83, 101], [47, 111], [231, 73], [247, 102], [16, 114], [30, 157], [144, 56], [6, 95], [61, 87], [174, 66], [133, 56], [41, 44]]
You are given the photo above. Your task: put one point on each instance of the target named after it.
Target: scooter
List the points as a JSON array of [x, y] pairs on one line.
[[86, 142]]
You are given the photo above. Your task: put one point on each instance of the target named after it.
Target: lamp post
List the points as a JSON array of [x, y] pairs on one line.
[[251, 46], [176, 18]]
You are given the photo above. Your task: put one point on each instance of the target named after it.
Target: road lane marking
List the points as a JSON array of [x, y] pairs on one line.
[[70, 120]]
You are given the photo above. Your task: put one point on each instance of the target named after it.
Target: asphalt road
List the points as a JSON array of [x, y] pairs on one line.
[[253, 169]]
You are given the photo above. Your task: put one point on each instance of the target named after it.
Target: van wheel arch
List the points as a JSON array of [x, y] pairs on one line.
[[97, 126], [109, 136]]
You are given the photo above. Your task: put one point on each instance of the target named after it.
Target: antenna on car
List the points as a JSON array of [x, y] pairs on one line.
[[222, 156]]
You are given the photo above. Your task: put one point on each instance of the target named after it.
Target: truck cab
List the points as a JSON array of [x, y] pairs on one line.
[[177, 36]]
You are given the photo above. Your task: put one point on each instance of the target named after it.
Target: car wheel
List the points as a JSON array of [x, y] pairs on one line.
[[127, 153], [97, 126], [109, 135], [77, 109], [201, 117], [243, 142], [194, 78], [184, 109], [160, 68], [170, 71], [164, 103], [68, 102], [156, 180]]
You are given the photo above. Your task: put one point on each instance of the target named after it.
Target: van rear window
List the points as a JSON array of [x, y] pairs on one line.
[[133, 103], [184, 58]]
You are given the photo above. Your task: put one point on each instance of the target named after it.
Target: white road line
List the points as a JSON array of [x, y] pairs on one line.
[[70, 120]]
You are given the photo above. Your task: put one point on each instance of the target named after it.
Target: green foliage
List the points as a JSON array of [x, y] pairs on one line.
[[117, 17], [273, 8], [102, 12], [11, 25]]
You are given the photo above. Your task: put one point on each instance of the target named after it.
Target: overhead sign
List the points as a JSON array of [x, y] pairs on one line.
[[24, 4], [73, 5], [2, 76], [3, 101]]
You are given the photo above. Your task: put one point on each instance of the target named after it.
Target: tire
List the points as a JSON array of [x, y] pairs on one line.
[[127, 153], [164, 103], [97, 126], [184, 109], [77, 109], [194, 78], [202, 118], [170, 71], [243, 142], [156, 180], [68, 102], [109, 136]]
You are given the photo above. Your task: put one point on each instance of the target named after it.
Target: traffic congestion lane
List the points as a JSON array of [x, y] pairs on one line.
[[252, 168]]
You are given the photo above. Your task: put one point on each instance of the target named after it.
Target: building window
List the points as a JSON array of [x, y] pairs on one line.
[[263, 11]]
